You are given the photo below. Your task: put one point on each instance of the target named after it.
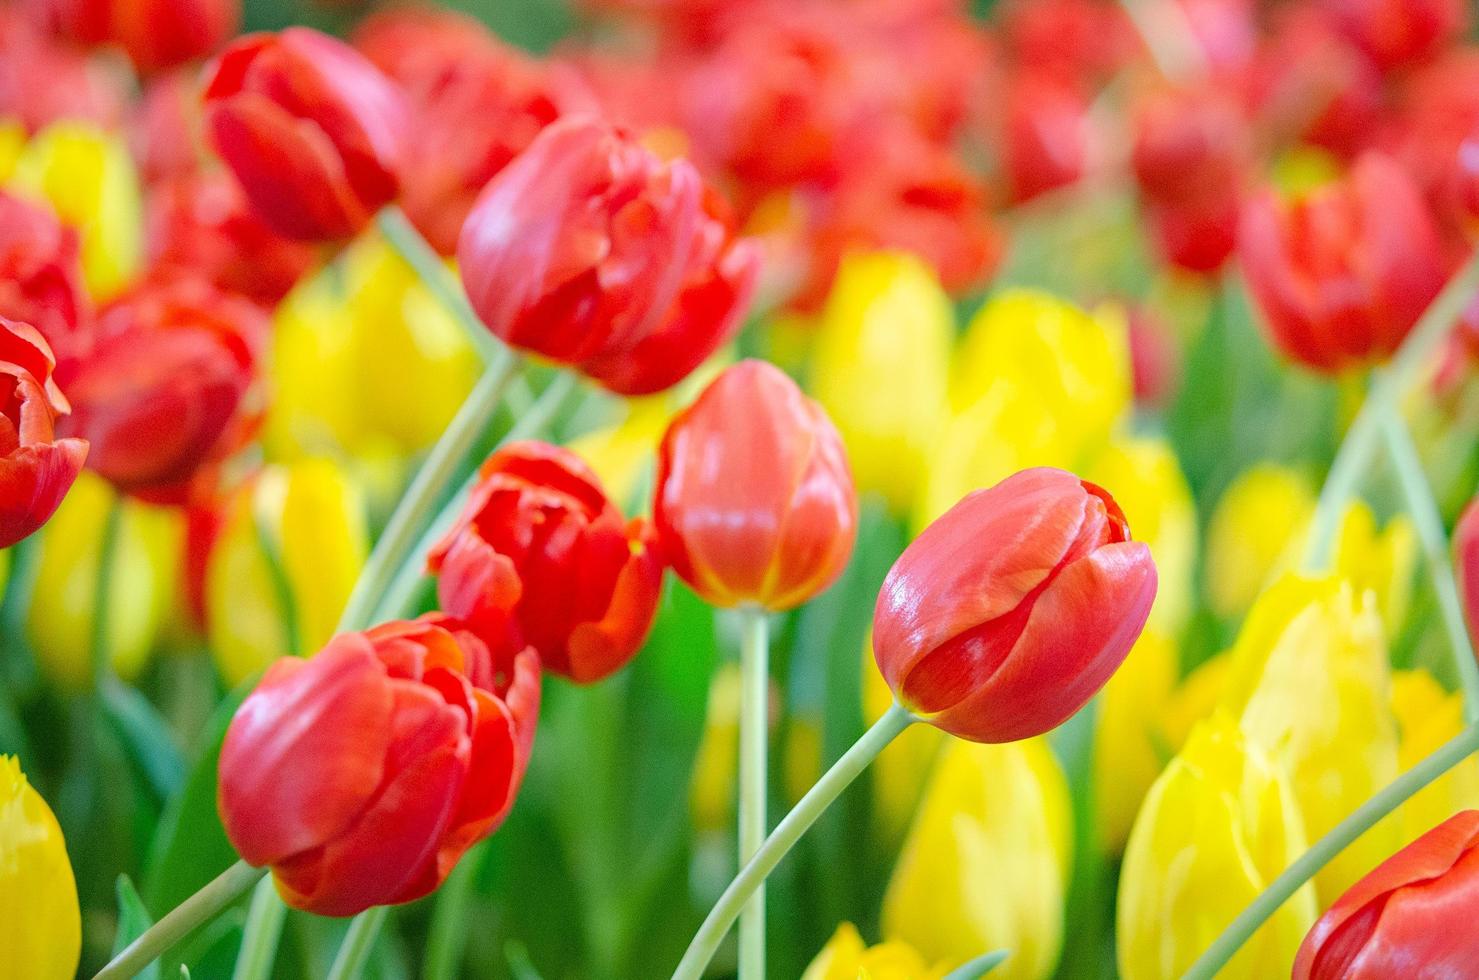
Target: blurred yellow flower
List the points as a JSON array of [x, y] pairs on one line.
[[1380, 559], [12, 142], [1193, 699], [901, 770], [881, 368], [40, 922], [144, 582], [1428, 716], [711, 796], [1129, 751], [845, 957], [1217, 827], [986, 862], [304, 521], [87, 175], [623, 452], [1259, 521], [1310, 683]]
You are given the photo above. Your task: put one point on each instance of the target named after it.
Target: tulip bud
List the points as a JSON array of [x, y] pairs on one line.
[[156, 33], [314, 133], [539, 552], [1466, 564], [986, 862], [41, 274], [845, 957], [1413, 916], [1261, 515], [591, 251], [36, 468], [1427, 717], [40, 921], [1215, 830], [1046, 138], [755, 501], [308, 518], [168, 390], [1394, 33], [1009, 612], [361, 775], [1342, 275]]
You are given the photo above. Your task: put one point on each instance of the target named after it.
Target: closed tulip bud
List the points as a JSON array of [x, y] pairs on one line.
[[591, 251], [1261, 515], [1413, 916], [307, 518], [539, 552], [1466, 563], [1215, 830], [1046, 136], [846, 957], [1009, 612], [882, 368], [1428, 716], [170, 389], [755, 502], [986, 862], [40, 921], [156, 33], [41, 274], [36, 468], [1342, 274], [361, 775], [314, 132]]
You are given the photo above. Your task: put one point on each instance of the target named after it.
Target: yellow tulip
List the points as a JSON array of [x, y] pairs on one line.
[[623, 453], [881, 368], [40, 922], [1380, 559], [1129, 750], [1217, 827], [1428, 716], [845, 957], [900, 771], [1198, 694], [711, 796], [87, 175], [144, 582], [1146, 480], [311, 516], [1310, 684], [1259, 521], [312, 408], [986, 862]]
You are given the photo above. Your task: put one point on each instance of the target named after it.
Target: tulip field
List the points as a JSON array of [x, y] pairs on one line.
[[756, 489]]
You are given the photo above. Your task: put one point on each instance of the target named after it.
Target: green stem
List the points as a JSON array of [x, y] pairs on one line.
[[447, 938], [358, 942], [701, 950], [753, 732], [1430, 531], [1456, 750], [103, 590], [184, 918], [263, 930], [1356, 450]]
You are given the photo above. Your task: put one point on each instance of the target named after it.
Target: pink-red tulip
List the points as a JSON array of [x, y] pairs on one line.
[[155, 33], [36, 468], [1010, 611], [1466, 563], [1046, 136], [541, 556], [755, 501], [361, 775], [1412, 917], [41, 274], [1396, 33], [1343, 274], [590, 250], [312, 130], [44, 79]]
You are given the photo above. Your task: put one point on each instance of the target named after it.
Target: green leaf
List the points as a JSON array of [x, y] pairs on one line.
[[133, 921], [147, 740]]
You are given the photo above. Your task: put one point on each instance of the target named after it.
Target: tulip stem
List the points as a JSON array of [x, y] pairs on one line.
[[264, 922], [1456, 750], [1359, 445], [184, 918], [358, 942], [1429, 523], [846, 769], [754, 744], [103, 589]]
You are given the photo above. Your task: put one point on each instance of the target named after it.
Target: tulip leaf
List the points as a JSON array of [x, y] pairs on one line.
[[980, 966], [147, 740], [133, 921]]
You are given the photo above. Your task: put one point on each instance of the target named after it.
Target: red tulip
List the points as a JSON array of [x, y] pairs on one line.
[[170, 388], [755, 501], [1046, 137], [313, 131], [590, 250], [1412, 917], [1010, 611], [1342, 275], [41, 275], [1396, 33], [36, 468], [43, 79], [362, 774], [1466, 563], [155, 33], [541, 555]]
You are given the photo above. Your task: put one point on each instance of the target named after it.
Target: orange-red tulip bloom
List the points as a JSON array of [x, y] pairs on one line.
[[1466, 563], [36, 468], [170, 387], [155, 33], [1008, 612], [1342, 275], [594, 252], [541, 554], [1413, 917], [362, 774], [41, 274], [755, 501], [312, 130]]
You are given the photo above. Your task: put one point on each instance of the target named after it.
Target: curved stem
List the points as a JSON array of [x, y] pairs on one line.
[[358, 942], [199, 908], [784, 837], [1456, 750], [102, 598], [263, 930], [753, 731], [980, 966], [1430, 531]]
